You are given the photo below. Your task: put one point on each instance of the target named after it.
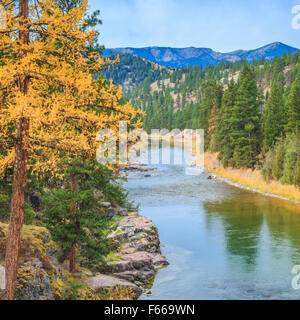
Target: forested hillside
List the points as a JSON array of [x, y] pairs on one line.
[[250, 112], [131, 71]]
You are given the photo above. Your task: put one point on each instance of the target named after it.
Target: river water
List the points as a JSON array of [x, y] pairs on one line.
[[221, 242]]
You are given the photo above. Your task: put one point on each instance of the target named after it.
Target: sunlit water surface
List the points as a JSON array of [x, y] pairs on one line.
[[221, 242]]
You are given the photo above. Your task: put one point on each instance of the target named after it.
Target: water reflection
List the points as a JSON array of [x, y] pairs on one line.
[[242, 224], [222, 242]]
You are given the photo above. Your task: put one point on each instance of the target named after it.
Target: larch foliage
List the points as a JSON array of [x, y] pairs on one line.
[[52, 101], [65, 103]]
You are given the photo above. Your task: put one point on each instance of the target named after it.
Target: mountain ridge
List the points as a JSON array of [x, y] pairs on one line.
[[184, 57]]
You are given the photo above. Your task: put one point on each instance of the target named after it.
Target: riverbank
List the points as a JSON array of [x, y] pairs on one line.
[[251, 180], [136, 258], [127, 272]]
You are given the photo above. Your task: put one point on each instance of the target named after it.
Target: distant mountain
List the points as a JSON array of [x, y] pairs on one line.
[[184, 57], [132, 70]]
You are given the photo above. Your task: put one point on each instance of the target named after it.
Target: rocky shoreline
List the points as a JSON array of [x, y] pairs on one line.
[[131, 265], [136, 258]]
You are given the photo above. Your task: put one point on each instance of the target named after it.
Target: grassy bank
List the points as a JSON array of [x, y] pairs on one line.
[[251, 179]]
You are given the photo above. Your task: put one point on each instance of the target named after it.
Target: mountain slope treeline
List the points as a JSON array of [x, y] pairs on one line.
[[250, 113], [131, 71]]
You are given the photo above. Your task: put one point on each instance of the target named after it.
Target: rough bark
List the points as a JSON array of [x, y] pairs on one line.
[[72, 262], [20, 176]]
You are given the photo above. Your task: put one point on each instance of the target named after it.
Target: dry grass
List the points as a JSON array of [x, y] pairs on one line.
[[252, 179]]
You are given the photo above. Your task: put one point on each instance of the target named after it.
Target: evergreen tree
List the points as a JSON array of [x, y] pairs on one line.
[[278, 163], [83, 226], [225, 143], [273, 116], [293, 109], [291, 158], [245, 121]]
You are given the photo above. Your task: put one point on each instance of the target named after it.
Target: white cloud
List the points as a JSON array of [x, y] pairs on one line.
[[223, 25]]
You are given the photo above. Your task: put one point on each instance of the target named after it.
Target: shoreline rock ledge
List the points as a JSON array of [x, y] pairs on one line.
[[136, 258]]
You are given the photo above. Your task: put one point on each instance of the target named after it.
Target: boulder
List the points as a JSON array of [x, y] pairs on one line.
[[117, 267], [143, 224], [139, 260], [136, 276], [34, 200], [106, 205], [110, 213], [39, 273], [123, 212], [104, 282], [138, 254], [33, 282], [159, 260]]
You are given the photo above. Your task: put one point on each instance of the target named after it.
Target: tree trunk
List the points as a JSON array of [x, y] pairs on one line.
[[263, 145], [17, 209], [72, 262], [20, 177]]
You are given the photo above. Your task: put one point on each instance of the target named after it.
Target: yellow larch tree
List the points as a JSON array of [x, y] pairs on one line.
[[52, 104]]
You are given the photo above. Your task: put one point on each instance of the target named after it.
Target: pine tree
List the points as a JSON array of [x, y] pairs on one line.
[[278, 162], [245, 122], [212, 97], [293, 109], [212, 128], [82, 227], [273, 116], [225, 143]]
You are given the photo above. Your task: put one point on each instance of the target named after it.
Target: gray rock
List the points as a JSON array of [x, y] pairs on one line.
[[159, 260], [34, 200], [37, 285], [123, 212], [103, 282], [37, 263], [110, 213], [139, 259], [106, 205], [52, 252], [136, 276], [118, 267]]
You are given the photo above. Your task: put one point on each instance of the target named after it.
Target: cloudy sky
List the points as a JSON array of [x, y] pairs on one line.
[[223, 25]]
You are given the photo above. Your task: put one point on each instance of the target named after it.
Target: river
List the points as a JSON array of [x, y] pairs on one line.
[[222, 242]]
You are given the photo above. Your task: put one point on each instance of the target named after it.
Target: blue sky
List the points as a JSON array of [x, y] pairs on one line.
[[223, 25]]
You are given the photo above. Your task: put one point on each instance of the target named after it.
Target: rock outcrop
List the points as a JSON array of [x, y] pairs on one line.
[[136, 258], [103, 282], [131, 266], [39, 273]]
